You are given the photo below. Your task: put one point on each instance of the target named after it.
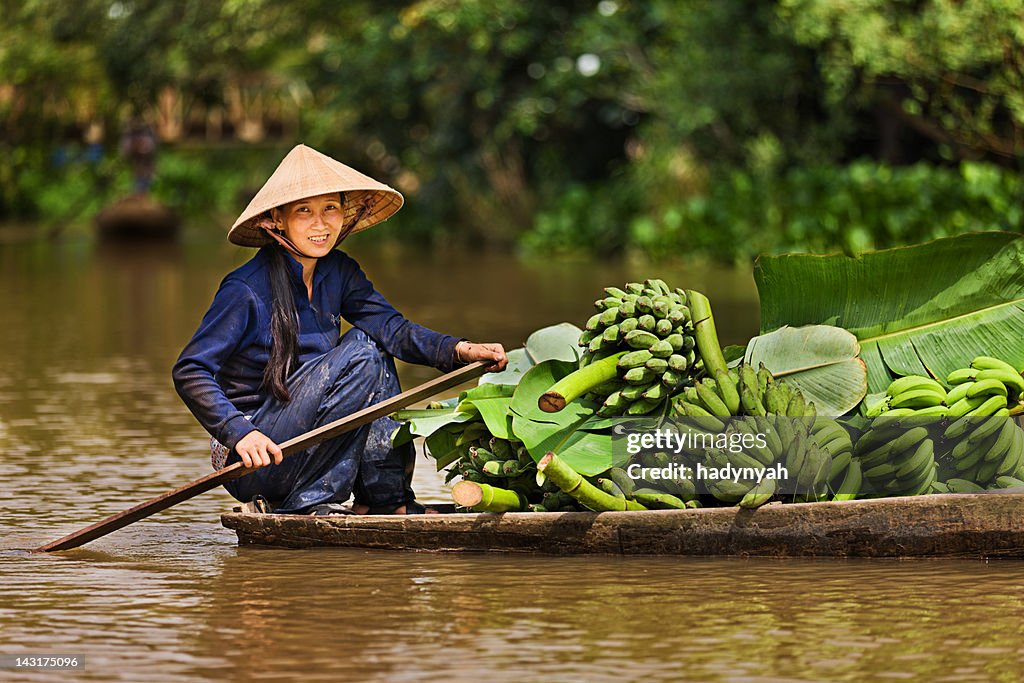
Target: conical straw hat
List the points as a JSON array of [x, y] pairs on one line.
[[306, 172]]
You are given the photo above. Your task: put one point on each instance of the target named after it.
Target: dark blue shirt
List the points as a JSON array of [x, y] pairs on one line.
[[219, 374]]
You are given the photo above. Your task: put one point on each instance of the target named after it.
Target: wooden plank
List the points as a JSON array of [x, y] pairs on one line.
[[964, 526]]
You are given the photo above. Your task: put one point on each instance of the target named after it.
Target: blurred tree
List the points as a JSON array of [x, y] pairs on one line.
[[492, 105], [951, 70]]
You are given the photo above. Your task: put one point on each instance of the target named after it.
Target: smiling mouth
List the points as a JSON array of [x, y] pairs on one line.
[[320, 239]]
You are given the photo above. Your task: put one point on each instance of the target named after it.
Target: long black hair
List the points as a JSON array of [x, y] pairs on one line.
[[284, 333], [284, 325]]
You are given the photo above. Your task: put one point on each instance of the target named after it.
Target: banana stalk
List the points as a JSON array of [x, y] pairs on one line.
[[574, 385], [486, 498], [585, 493], [707, 337]]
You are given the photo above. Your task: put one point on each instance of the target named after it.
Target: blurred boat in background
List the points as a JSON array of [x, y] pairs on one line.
[[137, 218]]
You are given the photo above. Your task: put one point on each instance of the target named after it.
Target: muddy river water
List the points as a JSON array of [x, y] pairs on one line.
[[90, 424]]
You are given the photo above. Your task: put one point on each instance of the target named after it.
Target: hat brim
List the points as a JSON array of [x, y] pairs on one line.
[[305, 172], [366, 208]]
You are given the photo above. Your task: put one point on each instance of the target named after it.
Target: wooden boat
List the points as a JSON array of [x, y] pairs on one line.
[[986, 525], [137, 218]]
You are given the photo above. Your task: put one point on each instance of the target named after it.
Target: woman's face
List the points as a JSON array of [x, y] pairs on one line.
[[313, 224]]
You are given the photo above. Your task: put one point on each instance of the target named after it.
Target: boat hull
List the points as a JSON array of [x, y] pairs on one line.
[[951, 526]]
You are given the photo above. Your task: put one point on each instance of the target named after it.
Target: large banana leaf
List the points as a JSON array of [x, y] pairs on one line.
[[820, 360], [587, 452], [924, 309]]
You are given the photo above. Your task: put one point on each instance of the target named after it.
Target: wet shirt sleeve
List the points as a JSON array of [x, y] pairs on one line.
[[367, 309], [224, 329]]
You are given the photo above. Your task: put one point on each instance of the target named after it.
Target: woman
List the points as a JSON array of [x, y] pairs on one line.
[[268, 362]]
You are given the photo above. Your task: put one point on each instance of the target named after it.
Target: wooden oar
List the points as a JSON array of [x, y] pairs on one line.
[[299, 443]]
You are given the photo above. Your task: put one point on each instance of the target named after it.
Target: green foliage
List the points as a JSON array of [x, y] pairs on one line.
[[851, 208], [718, 127], [953, 70]]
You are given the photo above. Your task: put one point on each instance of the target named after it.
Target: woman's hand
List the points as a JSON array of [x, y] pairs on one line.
[[257, 450], [467, 352]]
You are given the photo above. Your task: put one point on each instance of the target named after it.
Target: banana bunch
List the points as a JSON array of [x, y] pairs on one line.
[[653, 324], [725, 395], [925, 439], [505, 463], [896, 454], [660, 494], [806, 445], [981, 443]]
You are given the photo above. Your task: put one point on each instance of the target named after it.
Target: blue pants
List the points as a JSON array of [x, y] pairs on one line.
[[353, 375]]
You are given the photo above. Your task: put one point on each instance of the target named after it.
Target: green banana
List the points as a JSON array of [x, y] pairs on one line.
[[1014, 454], [759, 495], [991, 405], [655, 499], [750, 395], [633, 359], [627, 325], [656, 392], [728, 491], [642, 407], [615, 292], [677, 362], [764, 378], [986, 472], [987, 408], [634, 392], [989, 426], [967, 455], [796, 455], [727, 391], [988, 387], [679, 342], [646, 323], [990, 363], [776, 399], [661, 349], [701, 417], [962, 486], [711, 401], [672, 379], [639, 375], [850, 486], [923, 456], [1006, 377], [913, 383], [962, 375], [958, 392], [639, 339], [918, 398], [964, 406], [658, 365], [908, 440], [797, 405], [610, 487]]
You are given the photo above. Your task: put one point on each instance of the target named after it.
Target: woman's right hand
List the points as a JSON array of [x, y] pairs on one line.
[[256, 450]]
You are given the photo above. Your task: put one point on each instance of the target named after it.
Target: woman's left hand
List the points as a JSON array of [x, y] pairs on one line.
[[468, 352]]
